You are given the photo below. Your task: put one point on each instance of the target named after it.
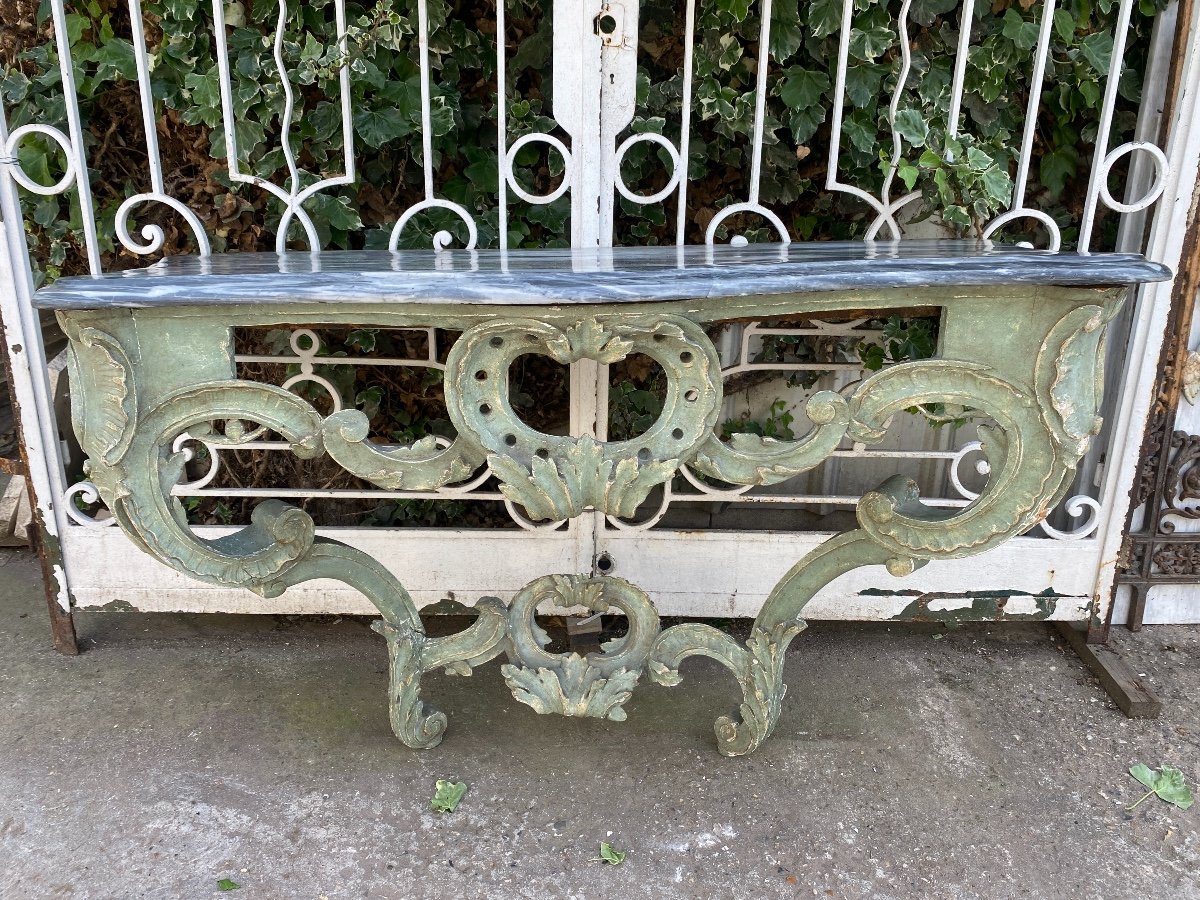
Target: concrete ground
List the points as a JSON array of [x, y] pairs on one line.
[[180, 750]]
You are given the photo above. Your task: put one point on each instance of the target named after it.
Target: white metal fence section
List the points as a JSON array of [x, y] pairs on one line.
[[595, 77]]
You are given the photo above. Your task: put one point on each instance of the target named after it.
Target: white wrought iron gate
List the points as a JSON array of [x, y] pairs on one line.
[[697, 549]]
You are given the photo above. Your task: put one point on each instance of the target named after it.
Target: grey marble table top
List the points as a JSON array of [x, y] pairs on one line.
[[610, 275]]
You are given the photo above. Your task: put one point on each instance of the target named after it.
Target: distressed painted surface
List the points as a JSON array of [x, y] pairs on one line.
[[1030, 363]]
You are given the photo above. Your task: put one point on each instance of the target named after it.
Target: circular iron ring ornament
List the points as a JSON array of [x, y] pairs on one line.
[[556, 476]]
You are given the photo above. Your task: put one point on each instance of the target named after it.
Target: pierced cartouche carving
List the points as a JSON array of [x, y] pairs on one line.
[[554, 476]]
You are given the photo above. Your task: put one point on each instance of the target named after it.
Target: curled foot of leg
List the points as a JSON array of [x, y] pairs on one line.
[[412, 653], [758, 667]]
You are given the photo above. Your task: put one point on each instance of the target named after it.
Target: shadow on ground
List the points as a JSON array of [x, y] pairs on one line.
[[180, 750]]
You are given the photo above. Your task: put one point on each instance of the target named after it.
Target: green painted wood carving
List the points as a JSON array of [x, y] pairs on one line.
[[1028, 359]]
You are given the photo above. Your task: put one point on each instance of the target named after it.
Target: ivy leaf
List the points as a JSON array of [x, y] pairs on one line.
[[181, 10], [786, 35], [369, 401], [205, 89], [377, 127], [861, 135], [803, 88], [956, 215], [923, 12], [337, 212], [115, 58], [609, 855], [447, 795], [998, 184], [872, 356], [76, 26], [1090, 91], [908, 173], [1023, 34], [1097, 49], [1168, 783], [871, 43], [1064, 24], [1056, 167], [362, 339], [910, 126], [738, 9], [227, 884], [804, 122], [863, 82], [824, 17], [977, 159]]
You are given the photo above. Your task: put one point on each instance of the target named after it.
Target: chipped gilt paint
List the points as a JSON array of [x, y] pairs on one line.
[[1028, 356]]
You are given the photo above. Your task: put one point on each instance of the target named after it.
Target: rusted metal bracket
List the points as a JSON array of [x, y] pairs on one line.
[[62, 624], [1155, 553]]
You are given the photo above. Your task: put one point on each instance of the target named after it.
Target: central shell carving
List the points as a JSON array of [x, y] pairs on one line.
[[557, 477]]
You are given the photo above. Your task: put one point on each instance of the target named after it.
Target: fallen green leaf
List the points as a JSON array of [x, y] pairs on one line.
[[609, 855], [228, 884], [1167, 783], [447, 795]]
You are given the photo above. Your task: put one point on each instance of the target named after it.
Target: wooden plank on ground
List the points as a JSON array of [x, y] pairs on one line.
[[1127, 689]]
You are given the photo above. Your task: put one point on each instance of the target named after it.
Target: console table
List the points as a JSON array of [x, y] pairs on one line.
[[1021, 341]]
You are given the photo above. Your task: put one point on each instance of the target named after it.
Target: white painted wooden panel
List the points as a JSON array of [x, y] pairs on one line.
[[686, 574]]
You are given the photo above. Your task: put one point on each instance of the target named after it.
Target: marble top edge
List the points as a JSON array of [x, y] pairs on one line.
[[604, 275]]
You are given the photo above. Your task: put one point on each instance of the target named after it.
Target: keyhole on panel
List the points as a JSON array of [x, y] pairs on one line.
[[605, 24]]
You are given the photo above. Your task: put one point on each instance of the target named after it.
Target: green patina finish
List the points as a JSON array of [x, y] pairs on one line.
[[1029, 358]]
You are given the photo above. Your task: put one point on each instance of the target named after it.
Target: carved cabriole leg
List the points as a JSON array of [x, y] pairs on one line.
[[1042, 430], [758, 666], [411, 652], [135, 468]]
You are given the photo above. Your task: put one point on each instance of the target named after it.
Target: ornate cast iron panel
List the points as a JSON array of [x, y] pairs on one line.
[[1167, 486], [1028, 356]]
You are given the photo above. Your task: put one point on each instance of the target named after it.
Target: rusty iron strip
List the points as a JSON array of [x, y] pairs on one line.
[[44, 544], [12, 466]]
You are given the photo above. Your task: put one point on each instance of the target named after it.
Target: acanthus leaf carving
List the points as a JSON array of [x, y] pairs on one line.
[[574, 688], [583, 477], [99, 367]]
